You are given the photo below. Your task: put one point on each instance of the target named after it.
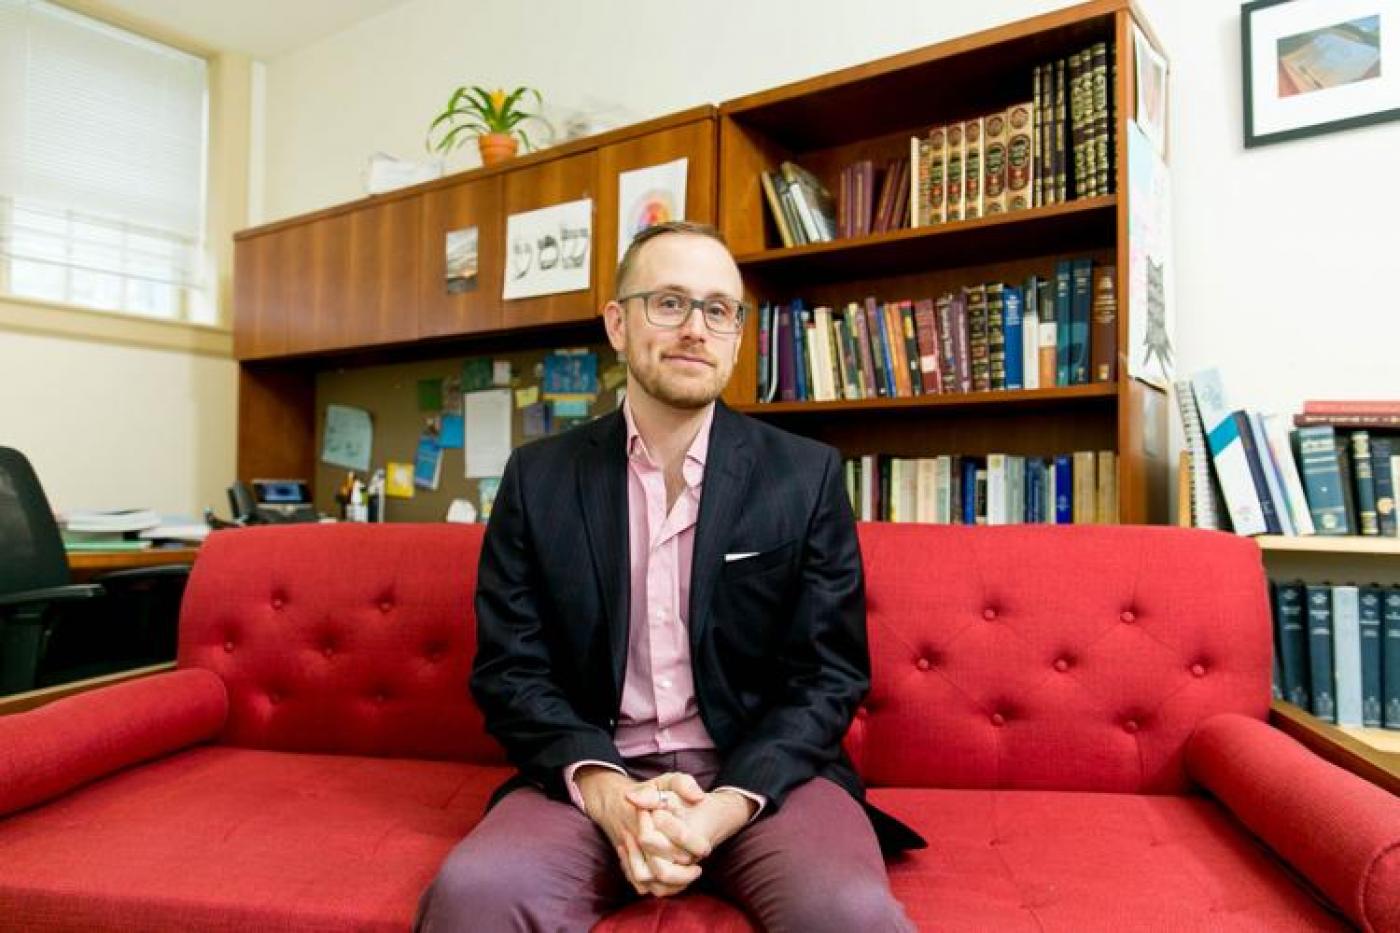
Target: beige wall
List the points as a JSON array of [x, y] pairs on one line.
[[1283, 253]]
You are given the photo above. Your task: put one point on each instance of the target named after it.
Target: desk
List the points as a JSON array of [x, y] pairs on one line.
[[87, 564]]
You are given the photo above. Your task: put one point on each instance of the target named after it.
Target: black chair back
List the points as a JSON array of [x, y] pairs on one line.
[[31, 547]]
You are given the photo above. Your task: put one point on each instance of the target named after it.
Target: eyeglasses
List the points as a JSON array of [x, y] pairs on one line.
[[723, 316]]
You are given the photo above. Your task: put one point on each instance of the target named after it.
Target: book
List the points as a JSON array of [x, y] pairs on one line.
[[973, 190], [1059, 138], [953, 176], [1038, 136], [1364, 486], [801, 362], [1321, 675], [1228, 453], [943, 310], [1390, 657], [1081, 300], [1351, 407], [1205, 504], [1273, 480], [1077, 154], [787, 360], [1013, 344], [977, 337], [1021, 157], [1049, 337], [905, 312], [1102, 125], [1257, 472], [1085, 487], [1030, 334], [996, 335], [1063, 489], [894, 337], [880, 344], [774, 196], [927, 338], [962, 343], [1103, 337], [1065, 326], [1346, 653], [1291, 642], [815, 205], [1296, 500], [1348, 485], [1106, 488], [1317, 456], [1382, 451], [994, 168], [868, 380], [933, 207], [1369, 620], [765, 365]]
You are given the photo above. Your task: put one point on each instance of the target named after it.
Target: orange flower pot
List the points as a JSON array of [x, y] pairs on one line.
[[496, 147]]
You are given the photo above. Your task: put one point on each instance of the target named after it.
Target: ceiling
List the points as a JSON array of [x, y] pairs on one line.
[[263, 29]]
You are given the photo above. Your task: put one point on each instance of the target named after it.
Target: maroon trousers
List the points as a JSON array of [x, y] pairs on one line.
[[540, 865]]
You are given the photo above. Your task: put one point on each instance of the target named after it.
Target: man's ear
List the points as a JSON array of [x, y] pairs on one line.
[[615, 320]]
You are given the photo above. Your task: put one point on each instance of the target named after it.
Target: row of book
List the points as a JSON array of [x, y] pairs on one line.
[[996, 489], [1048, 332], [1333, 473], [1056, 147], [1337, 651]]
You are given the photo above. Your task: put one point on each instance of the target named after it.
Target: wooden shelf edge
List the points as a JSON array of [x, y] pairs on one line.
[[1323, 544], [1342, 748], [21, 702], [950, 400], [876, 241]]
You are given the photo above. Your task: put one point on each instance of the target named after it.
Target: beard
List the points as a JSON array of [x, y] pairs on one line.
[[685, 390]]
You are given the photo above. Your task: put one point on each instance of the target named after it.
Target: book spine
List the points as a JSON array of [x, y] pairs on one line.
[[1106, 491], [994, 175], [1370, 625], [918, 213], [1078, 152], [953, 177], [1084, 486], [844, 201], [1382, 449], [955, 490], [1256, 473], [1064, 490], [790, 197], [787, 367], [1020, 156], [1011, 322], [1351, 407], [1348, 483], [1322, 677], [1038, 137], [1030, 334], [911, 348], [855, 383], [894, 334], [972, 168], [1273, 481], [801, 364], [1081, 303], [977, 337], [1061, 144], [877, 347], [765, 313], [1291, 640], [1390, 657], [997, 494], [887, 364], [926, 337], [1065, 329], [1103, 340], [1049, 337], [1099, 60], [1346, 653], [1277, 434], [937, 167], [1322, 479], [962, 348], [947, 362], [1365, 483], [775, 207], [867, 356], [996, 336], [1374, 422]]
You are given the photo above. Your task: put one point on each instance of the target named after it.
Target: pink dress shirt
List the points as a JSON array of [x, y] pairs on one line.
[[659, 711]]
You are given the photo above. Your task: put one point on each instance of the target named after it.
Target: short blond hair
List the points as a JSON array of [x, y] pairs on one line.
[[655, 231]]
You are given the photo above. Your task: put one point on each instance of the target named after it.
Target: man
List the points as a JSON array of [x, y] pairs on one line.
[[671, 645]]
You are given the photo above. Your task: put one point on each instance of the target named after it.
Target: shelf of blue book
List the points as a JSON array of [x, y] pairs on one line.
[[1084, 224], [1012, 397]]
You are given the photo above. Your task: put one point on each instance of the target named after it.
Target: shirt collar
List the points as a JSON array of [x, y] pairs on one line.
[[694, 466]]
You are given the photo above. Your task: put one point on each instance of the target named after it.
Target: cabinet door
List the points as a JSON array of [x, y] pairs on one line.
[[555, 182], [260, 294], [385, 264], [461, 307], [316, 265], [694, 142]]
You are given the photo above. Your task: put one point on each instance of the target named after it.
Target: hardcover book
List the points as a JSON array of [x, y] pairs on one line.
[[1291, 643], [1021, 156], [1228, 452], [1346, 653], [1369, 616], [972, 169], [1322, 479], [1321, 676], [994, 170], [953, 177]]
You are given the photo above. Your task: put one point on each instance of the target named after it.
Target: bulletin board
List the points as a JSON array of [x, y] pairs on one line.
[[390, 394]]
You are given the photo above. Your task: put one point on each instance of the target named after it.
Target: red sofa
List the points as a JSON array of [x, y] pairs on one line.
[[1074, 718]]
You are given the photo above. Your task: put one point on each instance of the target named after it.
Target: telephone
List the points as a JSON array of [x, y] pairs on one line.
[[271, 502]]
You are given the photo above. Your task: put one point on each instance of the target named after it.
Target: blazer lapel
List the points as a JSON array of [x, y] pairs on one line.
[[602, 489], [728, 464]]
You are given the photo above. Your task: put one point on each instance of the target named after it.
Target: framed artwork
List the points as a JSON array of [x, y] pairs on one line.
[[1317, 66]]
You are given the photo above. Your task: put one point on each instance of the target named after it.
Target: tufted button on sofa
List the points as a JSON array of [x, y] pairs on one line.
[[1074, 717]]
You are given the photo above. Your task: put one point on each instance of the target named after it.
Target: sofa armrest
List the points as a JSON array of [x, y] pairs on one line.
[[1341, 832], [70, 742]]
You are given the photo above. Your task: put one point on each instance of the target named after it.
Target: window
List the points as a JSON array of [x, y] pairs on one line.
[[102, 166]]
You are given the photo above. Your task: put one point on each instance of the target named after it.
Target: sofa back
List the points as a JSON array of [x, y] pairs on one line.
[[1064, 658], [351, 639]]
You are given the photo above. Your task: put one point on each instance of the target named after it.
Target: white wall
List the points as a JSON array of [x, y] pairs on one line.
[[1284, 254], [108, 426]]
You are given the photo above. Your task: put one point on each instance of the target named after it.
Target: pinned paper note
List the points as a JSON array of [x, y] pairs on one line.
[[476, 374], [488, 426], [571, 408], [488, 488], [430, 395], [348, 437], [450, 437], [571, 374], [398, 480], [527, 396], [614, 376], [536, 419], [500, 372]]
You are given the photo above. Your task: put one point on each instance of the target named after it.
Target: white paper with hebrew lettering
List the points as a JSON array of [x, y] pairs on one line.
[[548, 250]]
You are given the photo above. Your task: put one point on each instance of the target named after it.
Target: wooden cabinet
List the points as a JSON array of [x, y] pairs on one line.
[[695, 141], [559, 181], [262, 287], [468, 309]]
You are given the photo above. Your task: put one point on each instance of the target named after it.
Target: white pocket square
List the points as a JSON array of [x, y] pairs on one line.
[[739, 555]]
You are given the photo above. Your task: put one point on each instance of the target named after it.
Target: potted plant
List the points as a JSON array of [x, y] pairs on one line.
[[495, 118]]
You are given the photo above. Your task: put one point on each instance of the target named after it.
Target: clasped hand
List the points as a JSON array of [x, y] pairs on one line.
[[663, 828]]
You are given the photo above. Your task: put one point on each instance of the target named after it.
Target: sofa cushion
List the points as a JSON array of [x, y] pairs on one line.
[[1038, 861], [223, 838], [1054, 658], [350, 639]]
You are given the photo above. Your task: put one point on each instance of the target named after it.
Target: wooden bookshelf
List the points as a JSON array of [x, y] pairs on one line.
[[1351, 545], [870, 112], [1371, 753]]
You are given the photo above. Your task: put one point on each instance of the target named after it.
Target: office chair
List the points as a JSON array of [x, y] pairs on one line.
[[53, 630]]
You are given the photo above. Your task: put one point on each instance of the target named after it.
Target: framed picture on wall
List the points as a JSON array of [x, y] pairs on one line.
[[1317, 66]]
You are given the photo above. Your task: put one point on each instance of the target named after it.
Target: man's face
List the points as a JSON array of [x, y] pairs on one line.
[[685, 367]]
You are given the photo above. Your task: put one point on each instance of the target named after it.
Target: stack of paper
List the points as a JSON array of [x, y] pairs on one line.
[[117, 521]]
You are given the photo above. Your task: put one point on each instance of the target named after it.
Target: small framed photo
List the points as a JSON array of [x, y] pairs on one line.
[[1317, 66]]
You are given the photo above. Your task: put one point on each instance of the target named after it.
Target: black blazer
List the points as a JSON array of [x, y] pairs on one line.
[[777, 640]]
